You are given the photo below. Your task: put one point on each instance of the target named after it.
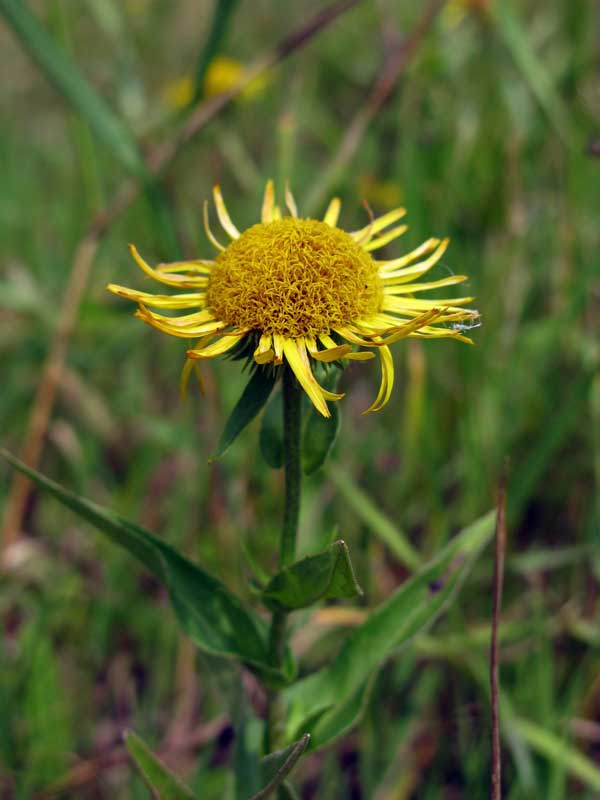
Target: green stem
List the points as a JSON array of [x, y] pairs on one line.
[[292, 425]]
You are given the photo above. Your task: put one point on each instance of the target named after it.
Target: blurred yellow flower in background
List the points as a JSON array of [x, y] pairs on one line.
[[303, 291], [379, 193], [222, 75]]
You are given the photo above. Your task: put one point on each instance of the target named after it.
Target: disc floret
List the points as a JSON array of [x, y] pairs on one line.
[[293, 277]]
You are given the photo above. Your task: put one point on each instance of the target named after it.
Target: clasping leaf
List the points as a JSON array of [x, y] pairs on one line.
[[326, 575]]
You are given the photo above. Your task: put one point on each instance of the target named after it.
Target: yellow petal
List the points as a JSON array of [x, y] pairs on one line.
[[409, 288], [295, 353], [396, 263], [264, 353], [181, 333], [222, 213], [180, 281], [289, 201], [203, 266], [352, 336], [209, 233], [222, 345], [390, 301], [379, 223], [387, 380], [184, 378], [416, 270], [330, 354], [268, 202], [410, 327], [174, 301], [375, 244], [183, 320], [278, 342], [364, 355], [333, 212]]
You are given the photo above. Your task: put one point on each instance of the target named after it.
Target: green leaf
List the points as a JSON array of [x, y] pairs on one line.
[[277, 766], [212, 616], [559, 752], [326, 575], [163, 783], [253, 398], [271, 433], [374, 518], [320, 434], [316, 700], [65, 76]]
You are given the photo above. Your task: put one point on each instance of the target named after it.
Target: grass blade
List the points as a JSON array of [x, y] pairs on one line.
[[61, 72], [374, 519], [221, 17], [411, 610], [164, 784], [557, 750], [535, 74]]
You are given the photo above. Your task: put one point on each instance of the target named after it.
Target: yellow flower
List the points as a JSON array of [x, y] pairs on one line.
[[385, 194], [222, 75], [303, 291]]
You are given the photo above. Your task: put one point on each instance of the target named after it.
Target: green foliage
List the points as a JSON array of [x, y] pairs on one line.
[[277, 766], [410, 611], [163, 783], [472, 142], [208, 612], [378, 523], [324, 576], [251, 402]]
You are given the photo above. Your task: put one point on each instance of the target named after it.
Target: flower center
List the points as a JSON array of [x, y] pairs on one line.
[[293, 277]]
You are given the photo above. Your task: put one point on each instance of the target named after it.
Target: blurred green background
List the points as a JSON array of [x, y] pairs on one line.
[[488, 137]]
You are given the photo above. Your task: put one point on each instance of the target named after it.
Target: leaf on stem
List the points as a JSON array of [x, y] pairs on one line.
[[316, 701], [165, 785], [210, 614], [326, 575], [253, 398], [277, 766]]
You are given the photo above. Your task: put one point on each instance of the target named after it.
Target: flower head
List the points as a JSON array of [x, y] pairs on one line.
[[303, 291]]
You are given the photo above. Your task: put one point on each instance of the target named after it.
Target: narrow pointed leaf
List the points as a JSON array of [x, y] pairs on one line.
[[326, 575], [163, 783], [212, 616], [410, 611], [277, 766], [271, 433], [253, 398]]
